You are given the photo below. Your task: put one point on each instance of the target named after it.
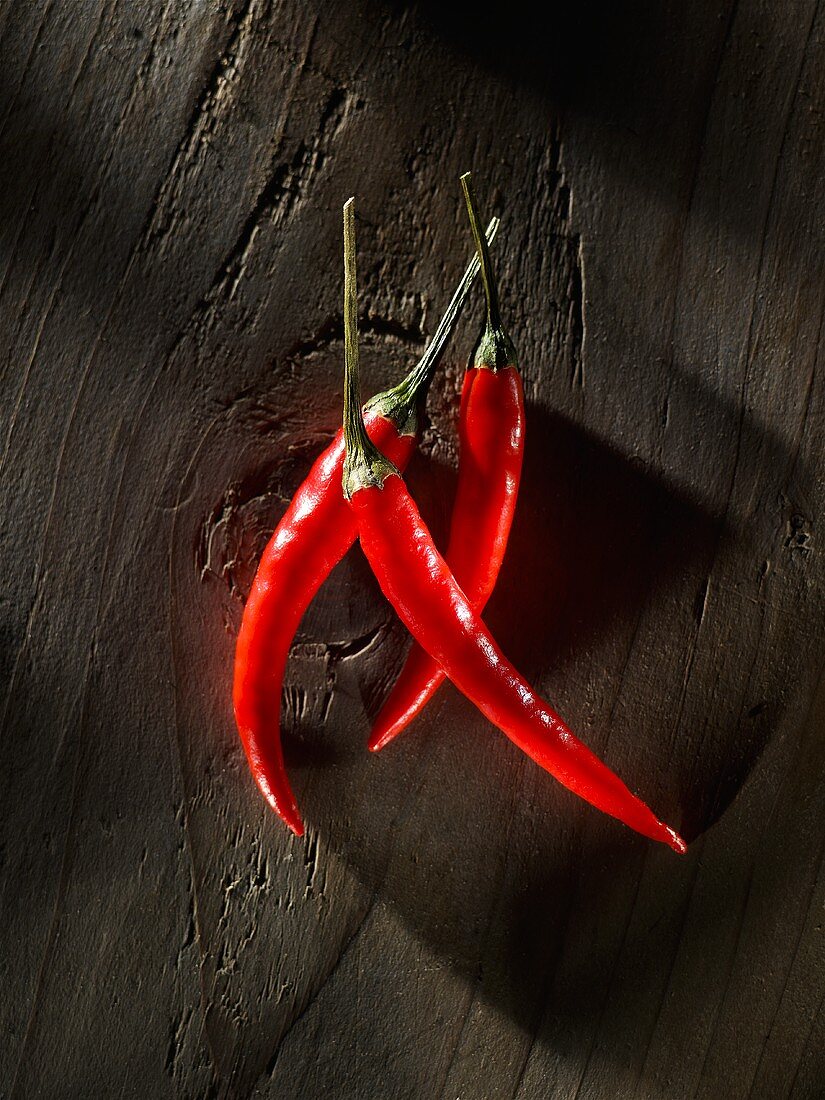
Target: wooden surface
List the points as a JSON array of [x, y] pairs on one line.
[[454, 924]]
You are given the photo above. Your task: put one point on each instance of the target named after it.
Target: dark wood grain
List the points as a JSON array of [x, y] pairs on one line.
[[453, 924]]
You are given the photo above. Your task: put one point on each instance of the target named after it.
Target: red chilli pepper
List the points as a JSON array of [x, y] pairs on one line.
[[314, 534], [418, 583], [491, 435]]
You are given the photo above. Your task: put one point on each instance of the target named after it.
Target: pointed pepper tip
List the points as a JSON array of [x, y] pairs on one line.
[[675, 841]]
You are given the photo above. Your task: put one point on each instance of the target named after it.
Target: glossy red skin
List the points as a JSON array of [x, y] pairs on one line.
[[418, 583], [491, 435], [316, 531]]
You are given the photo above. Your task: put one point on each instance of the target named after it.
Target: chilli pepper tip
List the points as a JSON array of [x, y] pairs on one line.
[[380, 738], [675, 841], [293, 823], [290, 815], [285, 807]]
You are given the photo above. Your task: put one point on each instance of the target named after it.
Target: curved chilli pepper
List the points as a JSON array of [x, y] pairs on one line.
[[418, 583], [491, 436], [312, 537]]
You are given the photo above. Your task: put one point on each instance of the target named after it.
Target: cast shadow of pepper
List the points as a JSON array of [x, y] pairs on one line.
[[596, 535], [599, 537]]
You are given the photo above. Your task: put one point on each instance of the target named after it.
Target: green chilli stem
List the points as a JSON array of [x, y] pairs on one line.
[[422, 374], [495, 349], [401, 403], [364, 465], [354, 430]]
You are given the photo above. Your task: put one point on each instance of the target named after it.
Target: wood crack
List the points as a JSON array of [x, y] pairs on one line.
[[202, 121], [279, 196]]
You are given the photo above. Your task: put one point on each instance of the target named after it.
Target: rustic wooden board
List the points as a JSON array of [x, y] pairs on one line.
[[453, 924]]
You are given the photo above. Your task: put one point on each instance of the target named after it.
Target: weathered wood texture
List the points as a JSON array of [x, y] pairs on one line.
[[453, 924]]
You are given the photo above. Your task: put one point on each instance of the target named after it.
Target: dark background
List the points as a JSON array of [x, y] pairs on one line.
[[453, 924]]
